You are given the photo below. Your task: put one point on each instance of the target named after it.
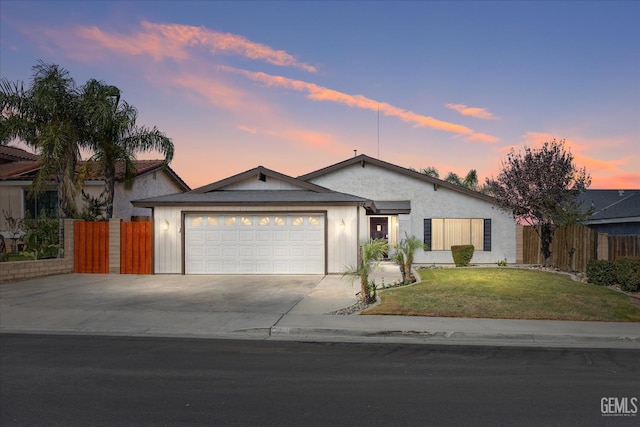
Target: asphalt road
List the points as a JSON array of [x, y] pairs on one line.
[[86, 381]]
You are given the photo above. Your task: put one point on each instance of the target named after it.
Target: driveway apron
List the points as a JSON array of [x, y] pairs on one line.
[[168, 304]]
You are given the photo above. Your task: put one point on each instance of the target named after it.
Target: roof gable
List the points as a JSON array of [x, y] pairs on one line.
[[251, 179], [362, 160]]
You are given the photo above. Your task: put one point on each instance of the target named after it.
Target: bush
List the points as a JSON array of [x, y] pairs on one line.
[[601, 272], [41, 238], [628, 273], [462, 254]]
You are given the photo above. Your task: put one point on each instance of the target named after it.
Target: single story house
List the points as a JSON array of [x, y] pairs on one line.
[[614, 211], [265, 222], [18, 168]]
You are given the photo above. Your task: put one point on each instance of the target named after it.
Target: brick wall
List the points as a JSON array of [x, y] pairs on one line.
[[20, 270]]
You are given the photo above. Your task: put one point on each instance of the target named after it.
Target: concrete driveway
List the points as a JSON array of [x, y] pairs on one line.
[[167, 304]]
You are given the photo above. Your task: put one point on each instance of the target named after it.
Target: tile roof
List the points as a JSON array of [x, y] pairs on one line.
[[17, 165]]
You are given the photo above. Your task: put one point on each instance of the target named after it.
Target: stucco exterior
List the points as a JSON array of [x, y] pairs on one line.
[[427, 201], [353, 189]]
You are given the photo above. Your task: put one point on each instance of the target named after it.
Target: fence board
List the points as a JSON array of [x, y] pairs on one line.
[[135, 247], [587, 243], [91, 247], [581, 239], [624, 246]]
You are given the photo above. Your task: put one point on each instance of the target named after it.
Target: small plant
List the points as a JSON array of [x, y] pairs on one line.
[[462, 254], [502, 263], [371, 253], [15, 228], [404, 254]]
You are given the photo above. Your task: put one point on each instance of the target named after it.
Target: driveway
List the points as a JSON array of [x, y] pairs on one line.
[[171, 304]]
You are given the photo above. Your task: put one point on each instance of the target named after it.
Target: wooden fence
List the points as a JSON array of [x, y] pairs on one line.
[[135, 248], [620, 246], [91, 247], [129, 244], [585, 242]]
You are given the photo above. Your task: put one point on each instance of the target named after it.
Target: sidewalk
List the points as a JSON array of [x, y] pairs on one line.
[[140, 310]]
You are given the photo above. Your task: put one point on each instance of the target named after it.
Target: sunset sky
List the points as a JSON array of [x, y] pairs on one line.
[[297, 86]]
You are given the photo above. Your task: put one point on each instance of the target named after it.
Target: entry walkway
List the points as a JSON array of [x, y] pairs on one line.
[[264, 307]]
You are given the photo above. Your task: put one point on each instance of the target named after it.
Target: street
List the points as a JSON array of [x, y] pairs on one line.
[[90, 380]]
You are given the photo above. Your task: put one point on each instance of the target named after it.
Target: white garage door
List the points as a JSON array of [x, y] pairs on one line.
[[254, 244]]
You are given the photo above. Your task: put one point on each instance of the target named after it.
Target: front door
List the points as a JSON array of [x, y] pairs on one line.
[[379, 228]]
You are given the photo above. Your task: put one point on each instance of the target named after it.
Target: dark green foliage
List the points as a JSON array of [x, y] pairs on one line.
[[628, 273], [462, 254], [41, 238], [94, 207], [601, 272], [623, 271]]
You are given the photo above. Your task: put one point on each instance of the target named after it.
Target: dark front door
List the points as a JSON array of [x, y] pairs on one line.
[[379, 228]]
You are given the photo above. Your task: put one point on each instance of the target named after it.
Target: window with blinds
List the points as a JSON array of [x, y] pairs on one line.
[[442, 233]]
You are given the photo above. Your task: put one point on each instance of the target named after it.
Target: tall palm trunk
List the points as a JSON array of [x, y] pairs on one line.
[[109, 187]]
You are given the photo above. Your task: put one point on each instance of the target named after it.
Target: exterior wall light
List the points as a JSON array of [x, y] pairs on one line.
[[165, 226], [342, 224]]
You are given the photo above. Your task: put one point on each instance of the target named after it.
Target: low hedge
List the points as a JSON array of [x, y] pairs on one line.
[[462, 254], [623, 271]]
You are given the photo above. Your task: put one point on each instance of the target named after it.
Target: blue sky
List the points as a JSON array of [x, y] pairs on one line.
[[296, 86]]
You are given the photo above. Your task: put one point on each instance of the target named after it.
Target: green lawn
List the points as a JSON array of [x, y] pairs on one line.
[[505, 293]]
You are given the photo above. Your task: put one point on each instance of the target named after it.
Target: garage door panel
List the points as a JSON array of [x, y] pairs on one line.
[[255, 244]]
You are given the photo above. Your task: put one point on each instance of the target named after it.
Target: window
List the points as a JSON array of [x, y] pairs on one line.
[[45, 204], [442, 233]]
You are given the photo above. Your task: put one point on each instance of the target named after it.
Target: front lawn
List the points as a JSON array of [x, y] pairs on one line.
[[505, 293]]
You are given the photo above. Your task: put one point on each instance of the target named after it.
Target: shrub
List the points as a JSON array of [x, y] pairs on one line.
[[601, 272], [627, 271], [41, 238], [462, 254]]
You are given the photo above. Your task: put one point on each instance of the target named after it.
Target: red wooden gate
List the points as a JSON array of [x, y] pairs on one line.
[[135, 247], [91, 247]]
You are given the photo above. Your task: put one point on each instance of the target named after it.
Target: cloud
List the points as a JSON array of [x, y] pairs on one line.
[[479, 113], [247, 129], [174, 41], [319, 93]]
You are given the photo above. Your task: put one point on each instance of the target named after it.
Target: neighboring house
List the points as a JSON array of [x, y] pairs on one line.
[[264, 222], [614, 211], [18, 168]]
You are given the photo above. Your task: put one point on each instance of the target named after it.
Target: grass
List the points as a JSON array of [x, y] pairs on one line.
[[505, 293]]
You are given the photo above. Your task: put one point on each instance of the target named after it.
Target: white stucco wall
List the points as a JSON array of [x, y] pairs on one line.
[[341, 248], [148, 185], [378, 183]]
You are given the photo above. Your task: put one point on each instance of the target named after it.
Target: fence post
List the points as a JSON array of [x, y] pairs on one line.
[[114, 245], [519, 244], [67, 245]]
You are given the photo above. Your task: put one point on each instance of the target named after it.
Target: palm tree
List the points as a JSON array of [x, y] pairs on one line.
[[371, 253], [115, 138], [47, 117], [405, 252]]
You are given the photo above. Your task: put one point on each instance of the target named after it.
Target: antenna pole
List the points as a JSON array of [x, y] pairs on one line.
[[378, 131]]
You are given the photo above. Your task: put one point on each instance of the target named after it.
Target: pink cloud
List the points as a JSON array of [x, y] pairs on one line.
[[174, 41], [479, 113], [247, 129], [319, 93]]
